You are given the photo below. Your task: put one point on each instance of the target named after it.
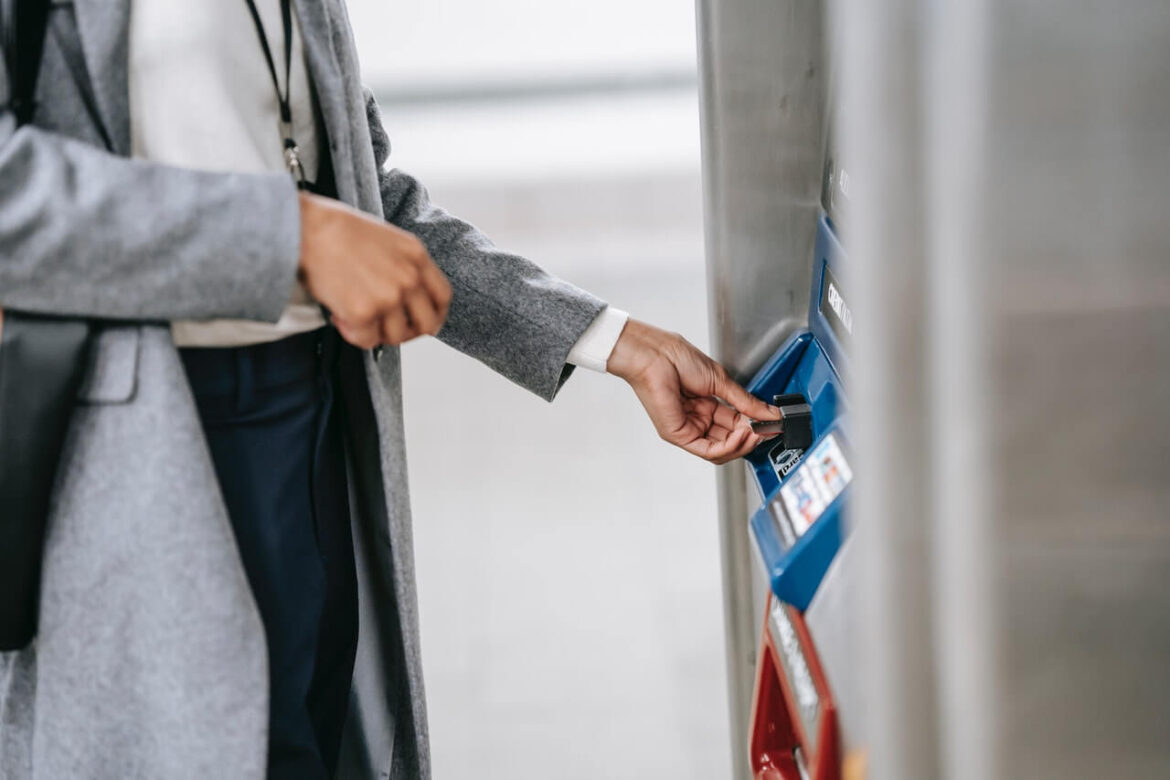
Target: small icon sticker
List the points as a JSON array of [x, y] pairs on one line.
[[786, 460], [832, 470]]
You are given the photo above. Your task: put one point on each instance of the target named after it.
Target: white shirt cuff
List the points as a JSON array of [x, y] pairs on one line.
[[596, 344]]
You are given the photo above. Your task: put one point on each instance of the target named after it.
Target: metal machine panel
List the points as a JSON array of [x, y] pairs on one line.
[[830, 620]]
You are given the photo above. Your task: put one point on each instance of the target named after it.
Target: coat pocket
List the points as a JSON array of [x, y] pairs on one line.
[[112, 375]]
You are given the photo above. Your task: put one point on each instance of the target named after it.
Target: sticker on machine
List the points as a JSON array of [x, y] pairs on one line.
[[813, 486], [802, 499], [832, 470]]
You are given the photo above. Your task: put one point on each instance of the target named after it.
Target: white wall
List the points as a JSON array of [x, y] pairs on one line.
[[443, 41]]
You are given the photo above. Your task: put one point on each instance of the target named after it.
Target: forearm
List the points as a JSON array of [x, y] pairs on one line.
[[87, 233], [505, 310]]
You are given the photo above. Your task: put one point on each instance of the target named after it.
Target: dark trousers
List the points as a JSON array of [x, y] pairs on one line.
[[272, 418]]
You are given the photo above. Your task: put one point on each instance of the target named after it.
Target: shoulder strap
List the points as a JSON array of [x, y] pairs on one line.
[[24, 42]]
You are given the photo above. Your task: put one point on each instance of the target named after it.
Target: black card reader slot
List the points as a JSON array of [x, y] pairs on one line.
[[794, 425]]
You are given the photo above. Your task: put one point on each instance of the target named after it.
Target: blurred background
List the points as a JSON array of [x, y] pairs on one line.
[[998, 609], [568, 560]]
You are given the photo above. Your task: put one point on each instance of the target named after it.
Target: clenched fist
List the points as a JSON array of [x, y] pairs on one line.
[[378, 282]]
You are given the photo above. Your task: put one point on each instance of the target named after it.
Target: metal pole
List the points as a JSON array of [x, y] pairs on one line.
[[762, 87], [877, 51], [740, 618]]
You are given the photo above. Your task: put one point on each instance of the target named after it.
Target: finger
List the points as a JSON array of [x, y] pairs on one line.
[[432, 277], [719, 433], [438, 287], [748, 441], [362, 337], [751, 441], [737, 444], [702, 406], [718, 451], [423, 314], [728, 417], [746, 403], [396, 329]]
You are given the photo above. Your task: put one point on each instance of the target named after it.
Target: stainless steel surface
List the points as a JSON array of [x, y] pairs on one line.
[[961, 396], [762, 84], [1072, 211], [1012, 369], [878, 60], [741, 615], [831, 622]]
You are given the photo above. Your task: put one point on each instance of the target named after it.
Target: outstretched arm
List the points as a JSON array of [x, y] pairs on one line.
[[505, 310], [524, 323]]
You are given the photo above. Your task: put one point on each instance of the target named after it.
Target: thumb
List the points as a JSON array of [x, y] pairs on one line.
[[744, 402]]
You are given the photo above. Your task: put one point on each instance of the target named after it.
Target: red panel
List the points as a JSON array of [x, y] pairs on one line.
[[772, 737], [776, 728]]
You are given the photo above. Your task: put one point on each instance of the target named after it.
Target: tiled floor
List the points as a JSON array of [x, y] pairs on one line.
[[567, 559]]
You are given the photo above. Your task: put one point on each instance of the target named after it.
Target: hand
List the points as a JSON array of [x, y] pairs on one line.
[[682, 389], [378, 282]]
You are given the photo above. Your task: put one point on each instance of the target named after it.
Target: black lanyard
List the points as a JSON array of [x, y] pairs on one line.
[[292, 152]]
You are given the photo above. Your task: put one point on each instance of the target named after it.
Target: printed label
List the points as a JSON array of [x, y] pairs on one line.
[[783, 524], [835, 308], [802, 500], [822, 476], [808, 702], [832, 470]]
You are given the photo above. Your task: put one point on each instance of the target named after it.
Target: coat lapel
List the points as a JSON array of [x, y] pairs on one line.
[[329, 90], [103, 28]]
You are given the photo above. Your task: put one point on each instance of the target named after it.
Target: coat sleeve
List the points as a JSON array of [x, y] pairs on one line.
[[505, 311], [87, 233]]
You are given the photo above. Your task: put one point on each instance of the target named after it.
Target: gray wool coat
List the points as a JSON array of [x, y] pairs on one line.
[[150, 661]]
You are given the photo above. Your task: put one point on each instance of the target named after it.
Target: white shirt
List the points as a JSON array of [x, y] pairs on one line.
[[201, 96]]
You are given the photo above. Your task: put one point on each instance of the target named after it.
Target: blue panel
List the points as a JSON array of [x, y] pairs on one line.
[[800, 366], [828, 259], [810, 363], [795, 569]]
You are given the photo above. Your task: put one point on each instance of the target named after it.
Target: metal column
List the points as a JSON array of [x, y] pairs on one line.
[[1012, 301], [763, 83]]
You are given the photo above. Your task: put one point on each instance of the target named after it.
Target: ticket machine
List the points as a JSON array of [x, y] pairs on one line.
[[804, 483]]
